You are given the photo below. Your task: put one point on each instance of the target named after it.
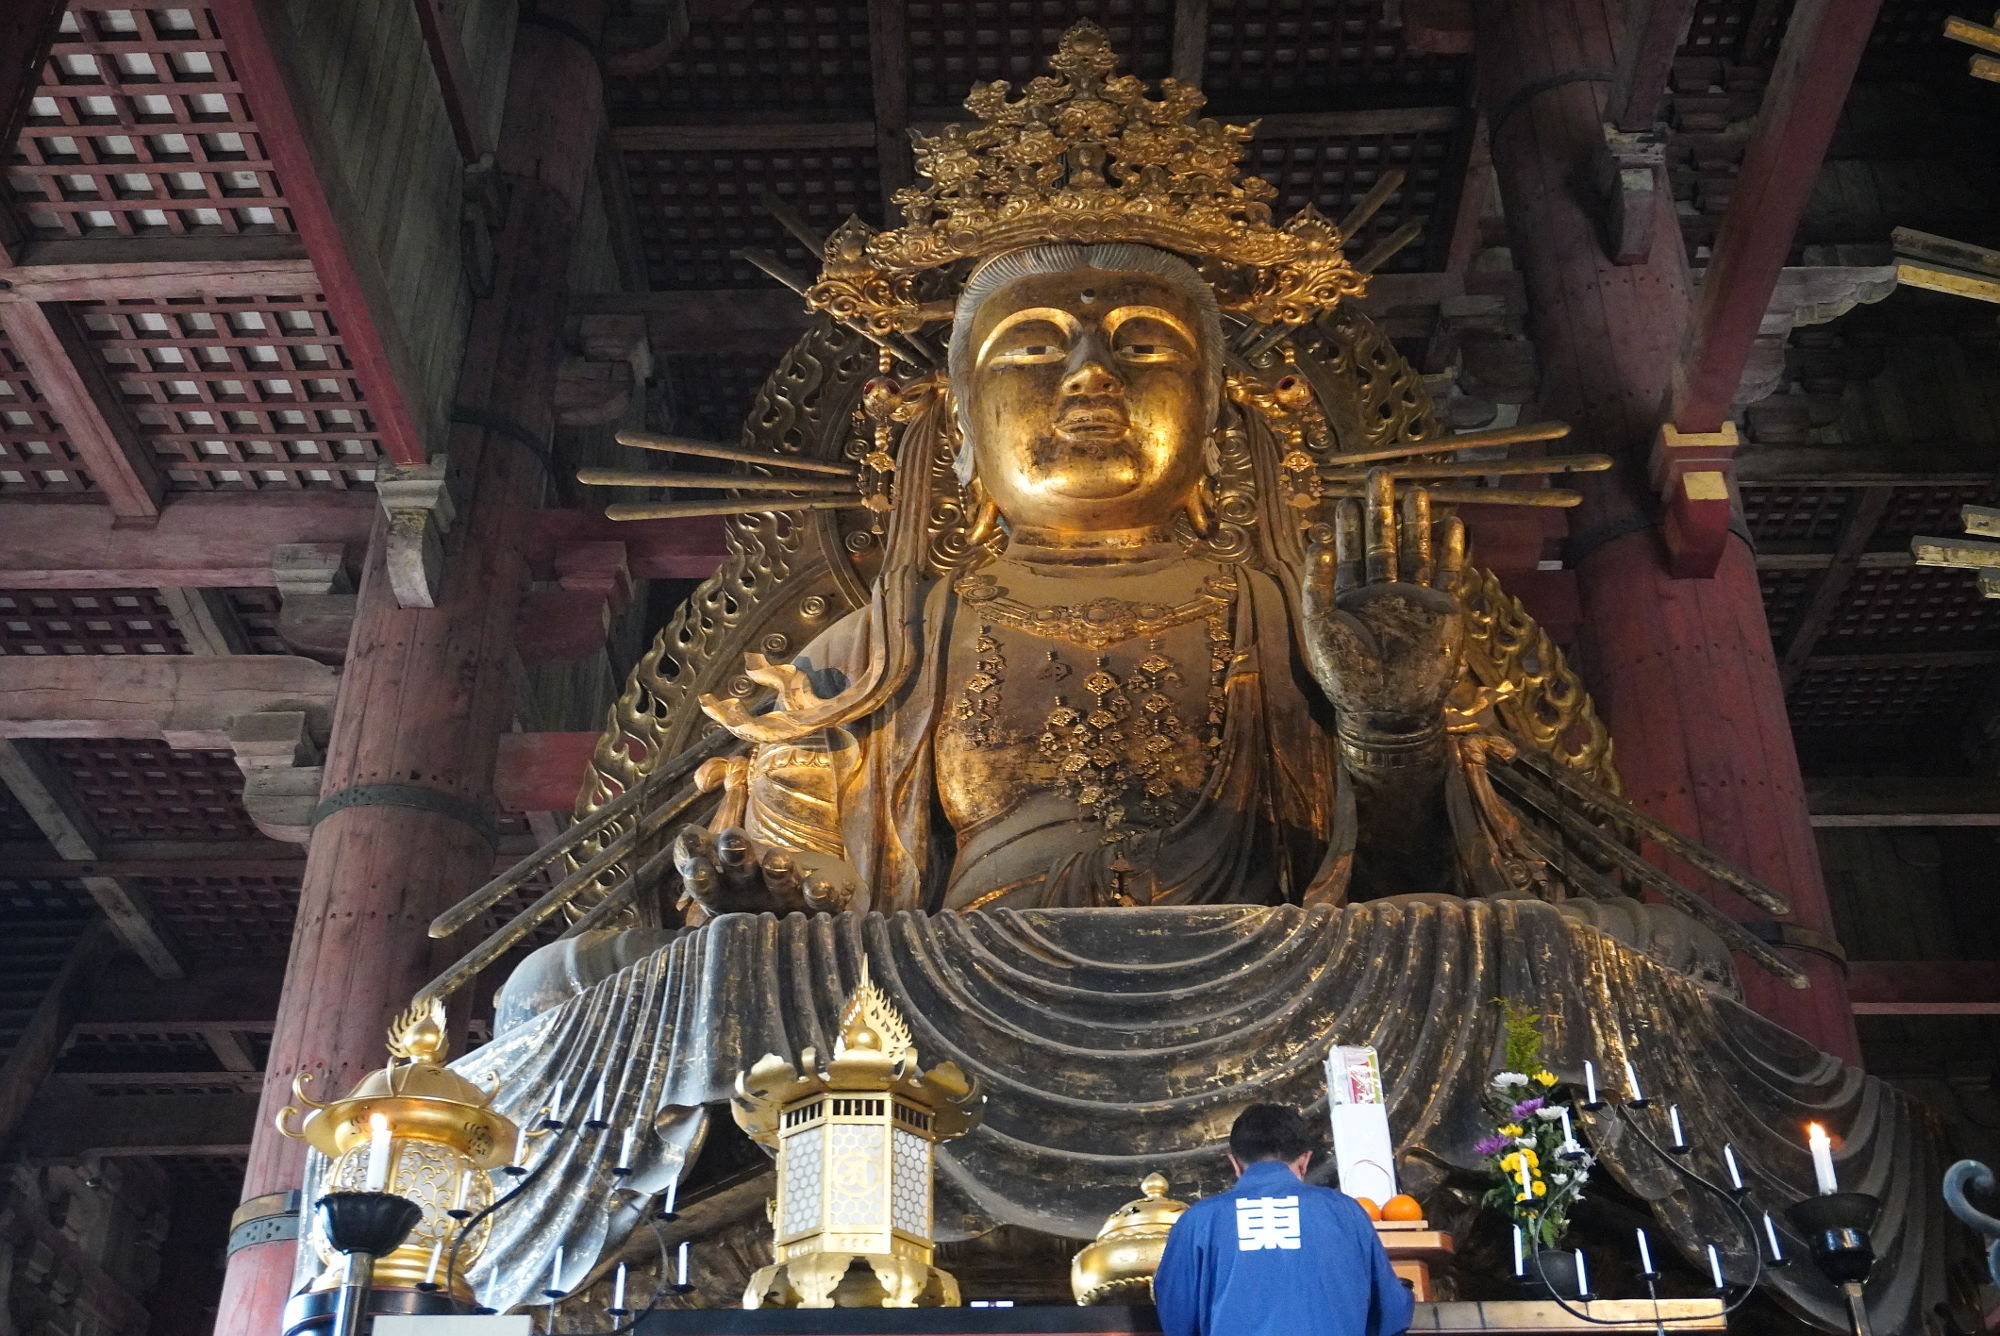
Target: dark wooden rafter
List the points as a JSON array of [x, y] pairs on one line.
[[34, 1054], [888, 61], [1864, 515], [448, 63], [1190, 54], [1924, 987], [1822, 47], [1904, 801], [70, 833]]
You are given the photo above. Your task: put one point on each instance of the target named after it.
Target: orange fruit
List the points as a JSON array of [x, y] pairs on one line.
[[1402, 1206], [1368, 1205]]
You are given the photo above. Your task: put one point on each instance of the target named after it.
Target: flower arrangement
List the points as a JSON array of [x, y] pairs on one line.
[[1538, 1169]]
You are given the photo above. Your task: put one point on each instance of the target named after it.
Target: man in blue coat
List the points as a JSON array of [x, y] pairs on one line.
[[1273, 1256]]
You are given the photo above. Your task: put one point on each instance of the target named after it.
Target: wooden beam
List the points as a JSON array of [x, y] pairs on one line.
[[1943, 265], [1865, 509], [1190, 57], [93, 414], [28, 29], [356, 292], [1803, 556], [239, 998], [1865, 464], [206, 620], [541, 772], [790, 133], [1924, 987], [160, 858], [1815, 66], [1653, 33], [72, 1124], [41, 1042], [159, 268], [447, 55], [689, 549], [39, 791], [199, 541], [185, 701], [1361, 122], [1903, 801], [1920, 658]]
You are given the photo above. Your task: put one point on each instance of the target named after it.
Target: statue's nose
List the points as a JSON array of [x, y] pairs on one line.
[[1093, 378]]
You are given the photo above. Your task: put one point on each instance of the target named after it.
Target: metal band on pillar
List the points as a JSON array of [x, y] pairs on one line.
[[271, 1218], [416, 797]]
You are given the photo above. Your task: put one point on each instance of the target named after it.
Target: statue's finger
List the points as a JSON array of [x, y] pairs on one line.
[[1347, 528], [781, 872], [1380, 532], [1322, 569], [692, 850], [735, 857], [1416, 536], [1451, 556]]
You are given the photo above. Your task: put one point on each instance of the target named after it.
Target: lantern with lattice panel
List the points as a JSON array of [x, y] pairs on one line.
[[855, 1139]]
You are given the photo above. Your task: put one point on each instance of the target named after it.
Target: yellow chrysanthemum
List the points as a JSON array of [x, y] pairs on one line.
[[1541, 1188], [1546, 1079], [1511, 1130]]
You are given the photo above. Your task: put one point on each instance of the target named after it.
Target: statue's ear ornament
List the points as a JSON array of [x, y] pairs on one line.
[[1080, 156]]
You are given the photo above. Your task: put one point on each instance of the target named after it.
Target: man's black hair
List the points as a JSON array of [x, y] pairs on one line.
[[1269, 1132]]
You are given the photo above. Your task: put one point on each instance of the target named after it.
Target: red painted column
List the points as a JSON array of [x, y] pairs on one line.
[[1683, 671], [426, 693]]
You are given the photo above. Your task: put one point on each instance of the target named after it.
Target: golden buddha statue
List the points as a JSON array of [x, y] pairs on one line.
[[1113, 686]]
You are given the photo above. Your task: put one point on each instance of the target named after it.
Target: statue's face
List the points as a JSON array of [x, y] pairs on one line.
[[1086, 403]]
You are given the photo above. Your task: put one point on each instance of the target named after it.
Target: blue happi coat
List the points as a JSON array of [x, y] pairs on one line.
[[1275, 1257]]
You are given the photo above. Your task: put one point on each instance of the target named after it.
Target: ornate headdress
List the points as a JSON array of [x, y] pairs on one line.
[[1082, 156]]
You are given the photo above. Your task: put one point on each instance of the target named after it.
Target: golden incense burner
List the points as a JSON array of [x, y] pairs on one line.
[[1117, 1267], [442, 1138]]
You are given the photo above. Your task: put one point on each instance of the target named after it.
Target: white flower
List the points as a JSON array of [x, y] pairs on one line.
[[1524, 1141], [1548, 1115], [1505, 1079]]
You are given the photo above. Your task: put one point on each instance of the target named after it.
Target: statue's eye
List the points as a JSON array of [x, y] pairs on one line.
[[1148, 352], [1030, 354]]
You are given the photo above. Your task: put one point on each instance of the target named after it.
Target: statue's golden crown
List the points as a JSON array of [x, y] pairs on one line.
[[1083, 156]]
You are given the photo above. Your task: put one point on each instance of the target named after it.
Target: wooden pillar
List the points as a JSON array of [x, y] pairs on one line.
[[406, 824], [1684, 671]]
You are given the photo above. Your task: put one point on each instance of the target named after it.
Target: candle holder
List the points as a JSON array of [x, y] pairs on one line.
[[1836, 1226], [363, 1226]]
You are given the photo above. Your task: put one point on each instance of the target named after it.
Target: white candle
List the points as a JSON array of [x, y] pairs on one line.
[[520, 1145], [458, 1198], [1729, 1163], [673, 1190], [1822, 1158], [1569, 1134], [1674, 1121], [1582, 1277], [1589, 1081], [437, 1255], [1715, 1265], [555, 1272], [597, 1102], [1771, 1233], [681, 1271], [1645, 1255], [378, 1153], [1520, 1255], [556, 1102], [618, 1290], [1632, 1082], [1527, 1184], [625, 1148]]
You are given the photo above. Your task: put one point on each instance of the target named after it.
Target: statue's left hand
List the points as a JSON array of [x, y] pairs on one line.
[[1384, 629]]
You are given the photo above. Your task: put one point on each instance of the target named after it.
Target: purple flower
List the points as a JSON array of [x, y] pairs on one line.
[[1527, 1107], [1492, 1145]]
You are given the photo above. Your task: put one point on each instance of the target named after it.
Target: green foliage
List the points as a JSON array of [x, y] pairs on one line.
[[1538, 1176]]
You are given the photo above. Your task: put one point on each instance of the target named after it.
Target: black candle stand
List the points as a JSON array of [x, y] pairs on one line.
[[363, 1226], [1836, 1227]]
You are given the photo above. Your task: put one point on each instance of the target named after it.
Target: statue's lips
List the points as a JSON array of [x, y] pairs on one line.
[[1093, 424]]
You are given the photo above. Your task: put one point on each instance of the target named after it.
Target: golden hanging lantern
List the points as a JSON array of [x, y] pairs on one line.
[[443, 1139], [855, 1140], [1117, 1267]]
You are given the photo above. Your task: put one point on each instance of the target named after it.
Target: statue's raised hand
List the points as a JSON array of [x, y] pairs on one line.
[[1383, 627], [731, 873]]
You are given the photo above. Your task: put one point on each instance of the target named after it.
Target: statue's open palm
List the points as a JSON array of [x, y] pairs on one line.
[[1384, 629]]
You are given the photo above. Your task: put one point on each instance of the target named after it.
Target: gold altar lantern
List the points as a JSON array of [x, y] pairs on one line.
[[441, 1141], [1117, 1267], [855, 1140]]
